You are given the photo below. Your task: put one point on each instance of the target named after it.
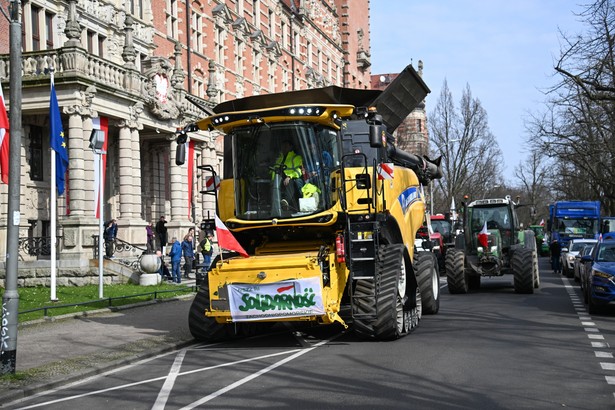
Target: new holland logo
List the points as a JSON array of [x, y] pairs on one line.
[[408, 197]]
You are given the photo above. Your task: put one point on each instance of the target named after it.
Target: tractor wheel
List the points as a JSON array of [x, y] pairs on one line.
[[523, 269], [203, 328], [536, 270], [382, 309], [426, 270], [455, 272]]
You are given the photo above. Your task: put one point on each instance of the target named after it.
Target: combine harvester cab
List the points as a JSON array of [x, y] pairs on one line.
[[326, 209]]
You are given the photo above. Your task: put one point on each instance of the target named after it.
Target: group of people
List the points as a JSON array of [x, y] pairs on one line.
[[186, 249], [157, 240]]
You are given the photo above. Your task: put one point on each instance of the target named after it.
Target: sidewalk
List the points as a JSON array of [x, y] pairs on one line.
[[53, 353]]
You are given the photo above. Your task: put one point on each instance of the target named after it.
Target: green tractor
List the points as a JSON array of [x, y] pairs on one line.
[[542, 244], [493, 244]]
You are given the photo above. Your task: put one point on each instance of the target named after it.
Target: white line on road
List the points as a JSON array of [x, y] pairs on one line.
[[607, 366], [253, 376], [167, 387], [155, 379]]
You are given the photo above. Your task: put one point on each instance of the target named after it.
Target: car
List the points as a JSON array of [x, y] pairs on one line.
[[568, 254], [600, 276], [579, 265]]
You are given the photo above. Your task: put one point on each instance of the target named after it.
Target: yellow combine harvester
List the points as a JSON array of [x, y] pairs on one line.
[[327, 208]]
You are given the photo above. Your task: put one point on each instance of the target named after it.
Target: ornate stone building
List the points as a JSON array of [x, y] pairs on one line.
[[138, 70]]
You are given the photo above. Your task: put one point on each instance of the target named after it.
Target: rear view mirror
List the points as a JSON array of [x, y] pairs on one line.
[[377, 133]]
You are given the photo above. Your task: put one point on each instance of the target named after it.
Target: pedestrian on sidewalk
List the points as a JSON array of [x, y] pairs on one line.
[[207, 249], [556, 253], [176, 259], [161, 232], [151, 238], [188, 250], [110, 234]]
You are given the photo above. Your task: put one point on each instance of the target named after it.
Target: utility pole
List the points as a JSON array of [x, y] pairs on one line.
[[10, 299]]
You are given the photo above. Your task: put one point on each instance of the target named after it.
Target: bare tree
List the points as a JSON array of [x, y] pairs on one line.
[[471, 157], [534, 174], [577, 128]]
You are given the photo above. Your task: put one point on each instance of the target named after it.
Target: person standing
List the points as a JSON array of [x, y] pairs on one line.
[[207, 249], [556, 253], [151, 238], [176, 259], [188, 250], [109, 236], [161, 232]]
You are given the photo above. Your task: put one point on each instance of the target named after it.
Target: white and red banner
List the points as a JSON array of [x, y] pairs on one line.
[[100, 123], [292, 298], [226, 240], [4, 140], [483, 236], [385, 170]]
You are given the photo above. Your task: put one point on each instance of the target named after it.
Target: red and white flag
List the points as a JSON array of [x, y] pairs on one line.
[[226, 240], [4, 140], [483, 239], [542, 222]]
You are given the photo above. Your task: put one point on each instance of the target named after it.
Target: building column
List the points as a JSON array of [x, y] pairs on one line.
[[137, 203], [79, 122], [76, 171], [178, 185], [125, 173]]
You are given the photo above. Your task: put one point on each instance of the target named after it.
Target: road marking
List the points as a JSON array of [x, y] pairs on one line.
[[254, 375], [593, 333], [607, 366], [155, 379], [604, 354], [591, 329], [167, 387]]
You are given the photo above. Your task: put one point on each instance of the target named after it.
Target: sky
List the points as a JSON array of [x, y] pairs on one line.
[[504, 50]]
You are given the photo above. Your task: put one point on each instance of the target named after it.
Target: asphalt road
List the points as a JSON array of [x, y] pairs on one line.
[[489, 349]]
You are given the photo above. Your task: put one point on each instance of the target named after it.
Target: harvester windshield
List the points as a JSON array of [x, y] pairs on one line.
[[282, 170]]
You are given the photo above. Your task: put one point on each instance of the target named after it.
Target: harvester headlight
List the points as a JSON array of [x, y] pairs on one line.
[[480, 249], [494, 249], [292, 111]]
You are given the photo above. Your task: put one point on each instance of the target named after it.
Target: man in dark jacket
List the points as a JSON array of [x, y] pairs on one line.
[[161, 233], [110, 235], [556, 253], [188, 250]]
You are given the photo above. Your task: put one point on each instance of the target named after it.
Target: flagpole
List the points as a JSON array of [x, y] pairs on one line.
[[53, 205], [101, 187]]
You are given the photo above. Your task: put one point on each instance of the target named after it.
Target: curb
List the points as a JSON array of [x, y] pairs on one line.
[[12, 395], [9, 395]]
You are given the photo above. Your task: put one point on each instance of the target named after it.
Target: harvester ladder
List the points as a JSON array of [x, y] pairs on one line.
[[361, 259]]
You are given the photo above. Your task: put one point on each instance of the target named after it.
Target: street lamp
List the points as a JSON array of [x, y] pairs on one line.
[[97, 142], [439, 148]]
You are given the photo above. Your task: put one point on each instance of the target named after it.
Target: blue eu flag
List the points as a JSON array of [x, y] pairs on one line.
[[58, 144]]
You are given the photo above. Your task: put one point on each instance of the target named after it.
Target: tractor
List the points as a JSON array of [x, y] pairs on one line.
[[493, 244]]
